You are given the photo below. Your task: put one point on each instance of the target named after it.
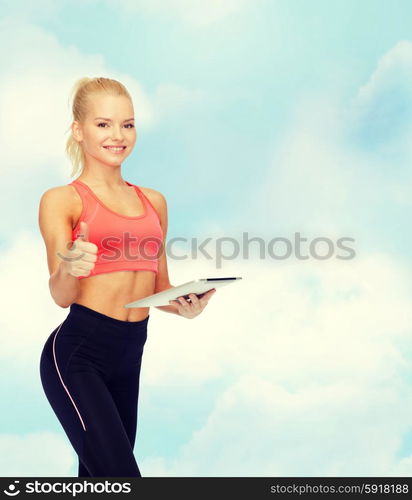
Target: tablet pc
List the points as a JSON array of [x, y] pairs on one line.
[[198, 287]]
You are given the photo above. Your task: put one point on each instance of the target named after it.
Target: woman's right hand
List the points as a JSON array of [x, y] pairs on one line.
[[82, 255]]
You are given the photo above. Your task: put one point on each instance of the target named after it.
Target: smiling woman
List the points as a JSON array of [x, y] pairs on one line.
[[104, 238]]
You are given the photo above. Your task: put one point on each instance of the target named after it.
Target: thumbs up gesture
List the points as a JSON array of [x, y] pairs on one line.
[[83, 254]]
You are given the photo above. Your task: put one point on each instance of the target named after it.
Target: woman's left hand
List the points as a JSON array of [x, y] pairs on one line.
[[195, 307]]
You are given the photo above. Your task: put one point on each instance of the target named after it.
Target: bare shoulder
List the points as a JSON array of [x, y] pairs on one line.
[[59, 195], [157, 198], [58, 200]]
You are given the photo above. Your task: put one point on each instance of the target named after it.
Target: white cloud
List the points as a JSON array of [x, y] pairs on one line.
[[314, 183], [393, 68], [380, 114], [323, 180], [40, 454], [316, 353], [28, 314], [307, 320], [258, 428]]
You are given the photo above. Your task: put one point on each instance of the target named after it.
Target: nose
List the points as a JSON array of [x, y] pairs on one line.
[[117, 133]]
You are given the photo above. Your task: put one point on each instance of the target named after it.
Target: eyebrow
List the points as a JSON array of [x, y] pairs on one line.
[[109, 120]]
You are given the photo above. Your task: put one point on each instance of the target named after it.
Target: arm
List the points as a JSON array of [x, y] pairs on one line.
[[55, 227]]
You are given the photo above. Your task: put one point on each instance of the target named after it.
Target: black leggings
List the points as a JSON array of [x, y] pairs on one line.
[[90, 370]]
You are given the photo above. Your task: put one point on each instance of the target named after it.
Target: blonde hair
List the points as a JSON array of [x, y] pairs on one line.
[[80, 93]]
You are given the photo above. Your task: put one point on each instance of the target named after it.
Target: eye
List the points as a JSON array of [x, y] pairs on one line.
[[129, 125]]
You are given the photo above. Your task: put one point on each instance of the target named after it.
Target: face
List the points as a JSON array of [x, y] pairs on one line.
[[109, 122]]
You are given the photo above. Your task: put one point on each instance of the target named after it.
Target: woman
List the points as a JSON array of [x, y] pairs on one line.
[[105, 240]]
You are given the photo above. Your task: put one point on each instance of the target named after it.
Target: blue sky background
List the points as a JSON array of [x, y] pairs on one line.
[[266, 117]]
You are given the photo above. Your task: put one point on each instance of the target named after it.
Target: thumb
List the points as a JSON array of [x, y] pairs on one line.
[[84, 231]]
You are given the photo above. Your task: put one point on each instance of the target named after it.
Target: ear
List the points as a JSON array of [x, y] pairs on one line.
[[77, 131]]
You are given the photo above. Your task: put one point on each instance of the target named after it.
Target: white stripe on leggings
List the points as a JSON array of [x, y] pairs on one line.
[[58, 371]]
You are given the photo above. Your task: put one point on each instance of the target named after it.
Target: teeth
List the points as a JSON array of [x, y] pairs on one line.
[[114, 148]]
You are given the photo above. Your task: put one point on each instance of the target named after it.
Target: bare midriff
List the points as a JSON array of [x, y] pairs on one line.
[[108, 293]]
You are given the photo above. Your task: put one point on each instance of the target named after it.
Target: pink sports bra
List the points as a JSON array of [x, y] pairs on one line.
[[123, 243]]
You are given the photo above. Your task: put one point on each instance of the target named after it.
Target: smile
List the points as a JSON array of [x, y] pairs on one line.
[[115, 149]]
